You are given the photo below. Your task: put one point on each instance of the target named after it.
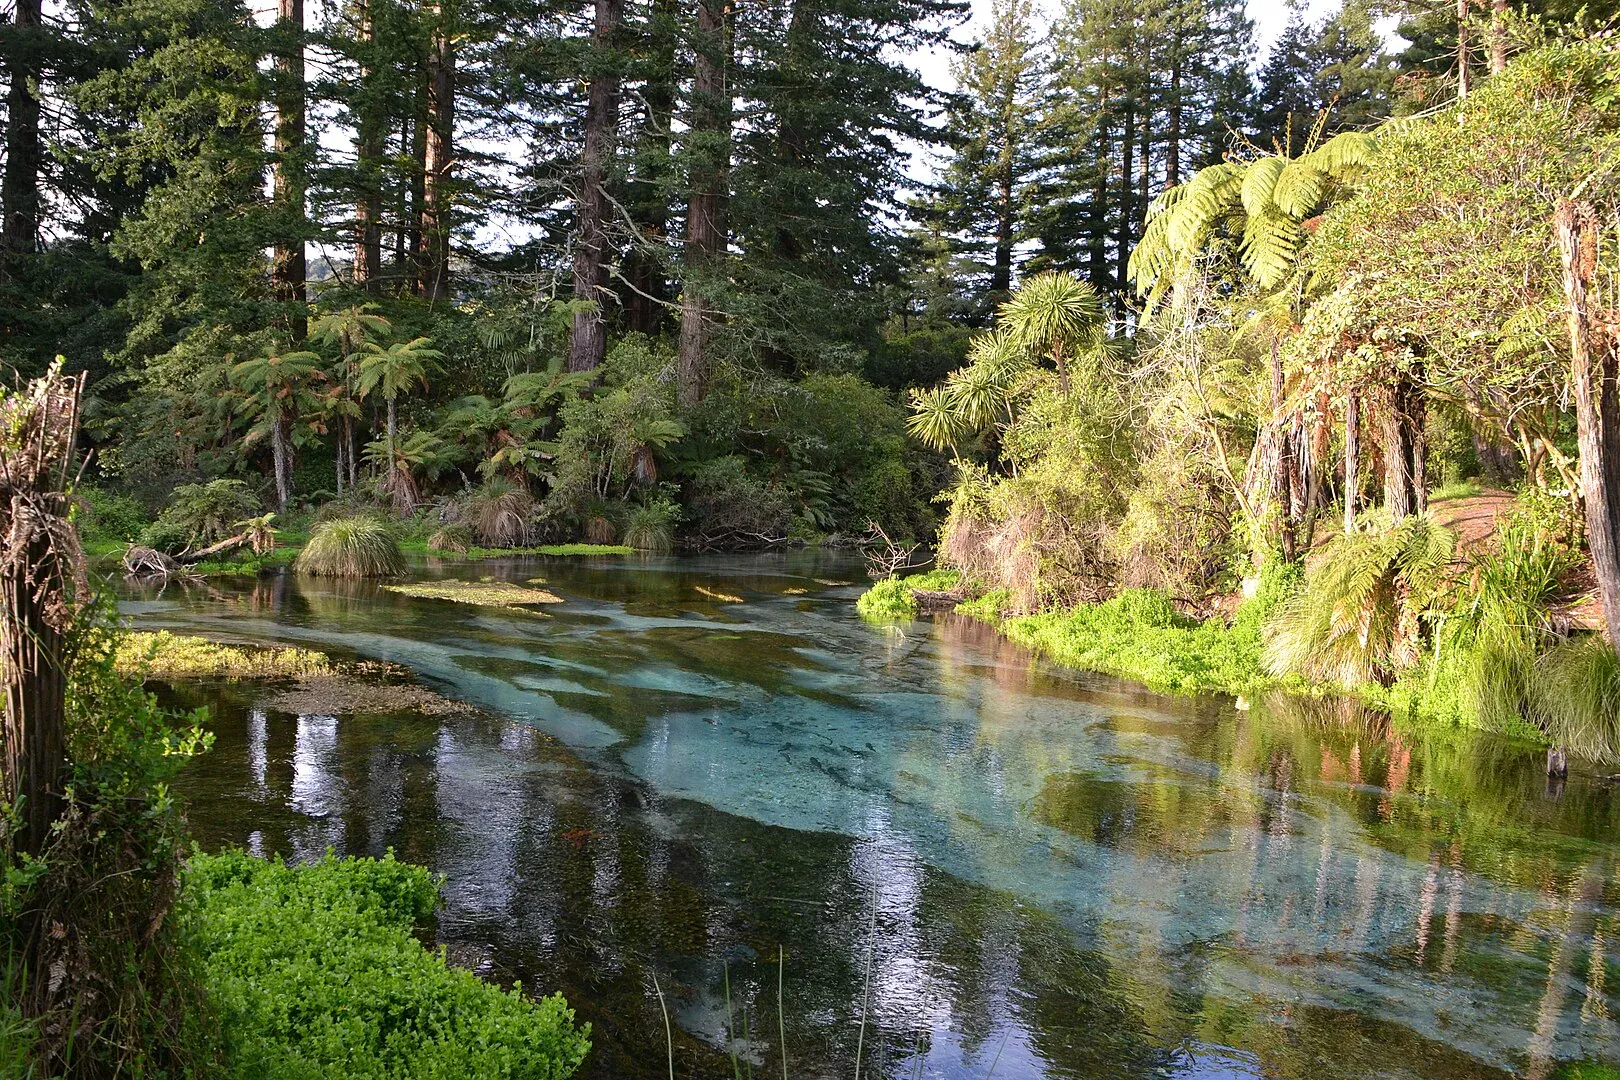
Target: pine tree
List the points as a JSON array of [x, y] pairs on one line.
[[983, 197]]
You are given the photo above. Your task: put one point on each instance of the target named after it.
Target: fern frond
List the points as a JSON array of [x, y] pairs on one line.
[[1299, 189], [1270, 247], [1259, 181]]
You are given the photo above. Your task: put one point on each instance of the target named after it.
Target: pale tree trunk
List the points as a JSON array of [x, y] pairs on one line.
[[41, 570], [370, 125], [438, 160], [281, 453], [19, 186], [587, 347], [1462, 49], [1499, 12], [705, 225], [1595, 386], [1352, 455], [288, 269]]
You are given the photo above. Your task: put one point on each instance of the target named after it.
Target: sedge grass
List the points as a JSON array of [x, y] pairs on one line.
[[357, 547]]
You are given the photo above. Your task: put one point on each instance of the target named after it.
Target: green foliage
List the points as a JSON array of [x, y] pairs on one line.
[[894, 600], [1576, 697], [315, 972], [115, 989], [1357, 618], [208, 512], [355, 547], [108, 515]]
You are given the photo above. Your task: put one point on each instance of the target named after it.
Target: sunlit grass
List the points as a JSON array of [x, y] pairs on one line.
[[164, 655]]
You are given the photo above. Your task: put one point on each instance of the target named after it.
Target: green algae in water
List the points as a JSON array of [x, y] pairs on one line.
[[478, 593]]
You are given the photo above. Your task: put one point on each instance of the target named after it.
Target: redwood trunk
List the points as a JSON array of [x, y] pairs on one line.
[[19, 186], [647, 289], [288, 269], [1594, 371], [370, 129], [438, 161], [587, 347], [705, 226]]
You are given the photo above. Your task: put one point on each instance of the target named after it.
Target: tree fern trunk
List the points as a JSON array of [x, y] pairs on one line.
[[1595, 386]]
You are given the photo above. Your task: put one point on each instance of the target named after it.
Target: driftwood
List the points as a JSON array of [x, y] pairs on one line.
[[930, 601], [149, 562]]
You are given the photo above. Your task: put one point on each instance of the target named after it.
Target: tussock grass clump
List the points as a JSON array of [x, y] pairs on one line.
[[163, 655], [452, 539], [650, 527], [499, 513], [357, 547], [1576, 698]]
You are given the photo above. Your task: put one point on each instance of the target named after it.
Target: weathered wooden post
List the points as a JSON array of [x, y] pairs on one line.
[[41, 574]]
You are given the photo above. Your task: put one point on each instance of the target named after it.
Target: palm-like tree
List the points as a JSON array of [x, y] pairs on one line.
[[393, 370], [348, 330], [277, 385], [1059, 316]]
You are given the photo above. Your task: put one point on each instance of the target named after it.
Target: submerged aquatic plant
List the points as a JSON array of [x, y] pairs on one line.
[[356, 547]]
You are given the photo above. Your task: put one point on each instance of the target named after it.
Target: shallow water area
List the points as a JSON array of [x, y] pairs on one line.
[[1000, 866]]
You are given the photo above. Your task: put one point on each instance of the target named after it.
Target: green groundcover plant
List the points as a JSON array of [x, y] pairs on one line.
[[314, 973]]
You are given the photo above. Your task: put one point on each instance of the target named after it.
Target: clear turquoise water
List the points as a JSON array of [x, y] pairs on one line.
[[997, 864]]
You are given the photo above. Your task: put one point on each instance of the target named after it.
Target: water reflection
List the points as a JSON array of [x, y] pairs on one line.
[[992, 861]]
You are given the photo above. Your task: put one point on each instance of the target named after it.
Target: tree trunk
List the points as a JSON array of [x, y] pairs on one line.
[[1462, 49], [370, 126], [1595, 386], [1001, 269], [288, 270], [438, 161], [705, 227], [1127, 169], [1499, 12], [1284, 479], [19, 186], [1352, 462], [1172, 160], [647, 287], [339, 447], [40, 570], [587, 347], [281, 452], [393, 430]]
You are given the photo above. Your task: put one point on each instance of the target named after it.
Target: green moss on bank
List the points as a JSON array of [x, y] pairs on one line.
[[894, 599], [163, 655], [480, 593], [419, 546]]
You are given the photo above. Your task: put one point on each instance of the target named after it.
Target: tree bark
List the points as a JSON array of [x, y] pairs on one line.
[[647, 288], [1127, 169], [40, 570], [19, 186], [288, 270], [438, 160], [1352, 458], [705, 227], [587, 346], [1595, 386], [1398, 498], [1499, 12], [281, 452], [370, 126], [1462, 49]]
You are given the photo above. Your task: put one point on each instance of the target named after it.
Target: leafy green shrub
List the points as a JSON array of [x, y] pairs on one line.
[[315, 973], [209, 511], [887, 601], [107, 515], [356, 547], [165, 536], [895, 598], [723, 500]]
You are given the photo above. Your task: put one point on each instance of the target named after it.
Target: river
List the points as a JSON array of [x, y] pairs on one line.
[[969, 862]]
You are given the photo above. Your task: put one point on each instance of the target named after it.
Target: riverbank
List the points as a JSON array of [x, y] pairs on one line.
[[1140, 635]]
